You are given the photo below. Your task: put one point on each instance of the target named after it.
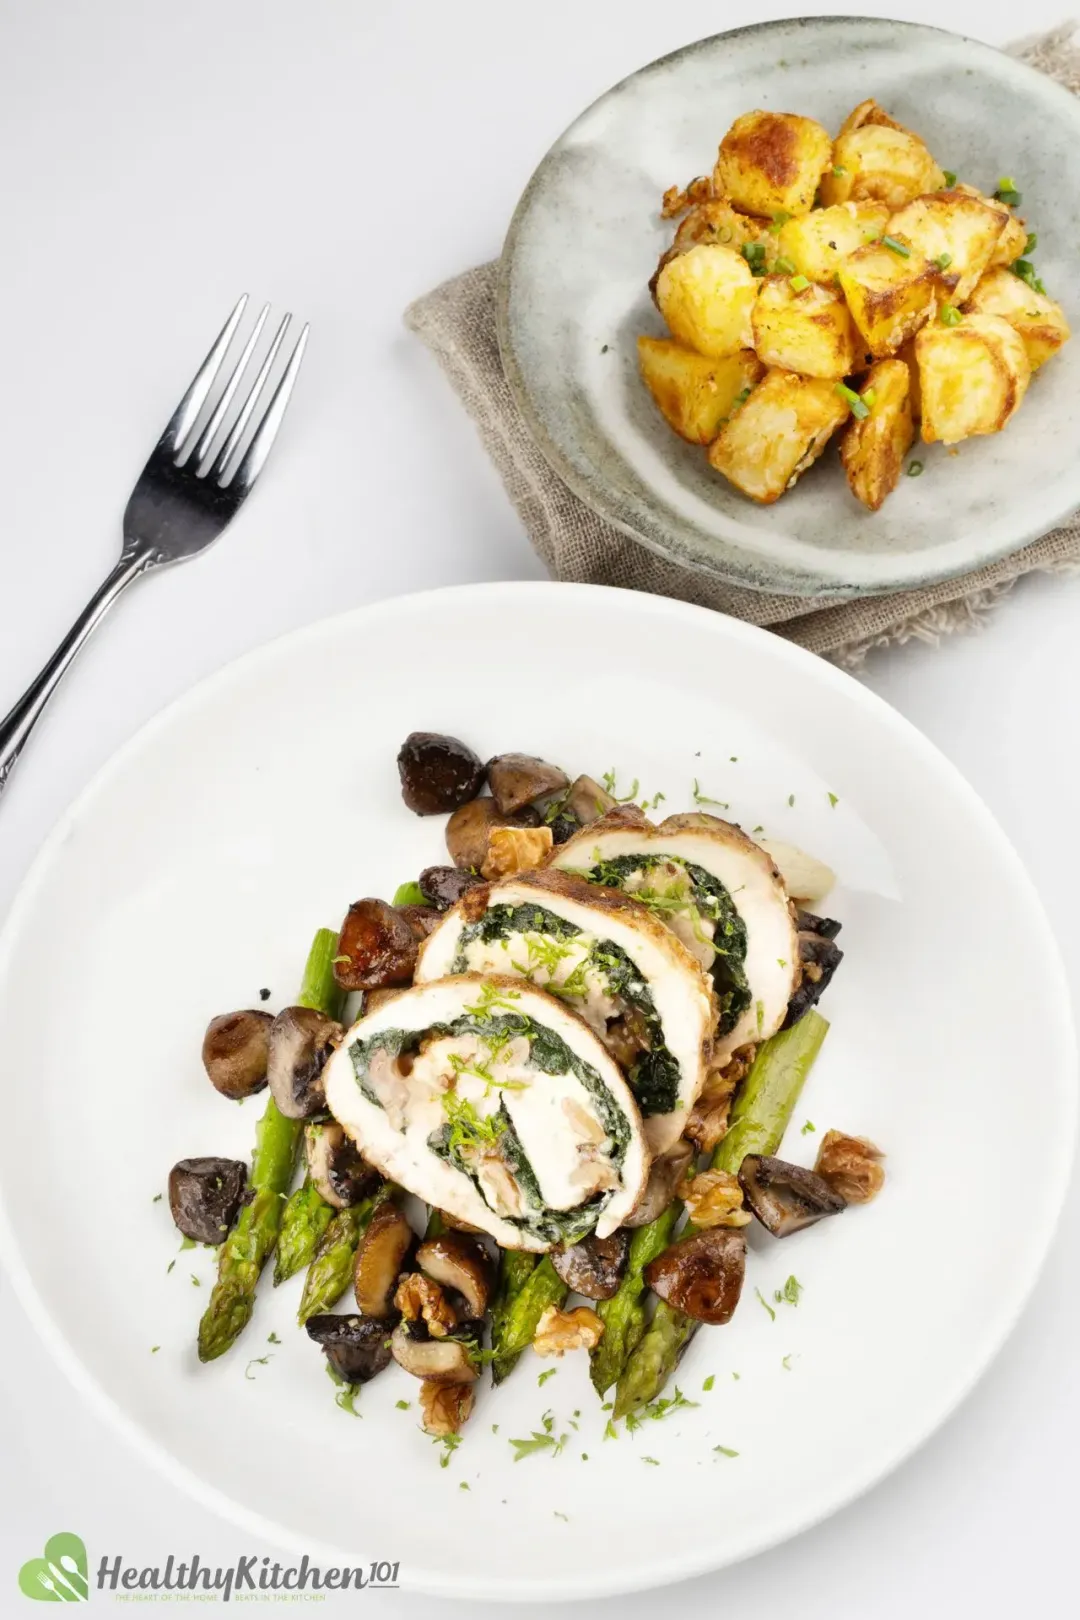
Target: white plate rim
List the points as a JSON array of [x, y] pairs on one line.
[[607, 1583]]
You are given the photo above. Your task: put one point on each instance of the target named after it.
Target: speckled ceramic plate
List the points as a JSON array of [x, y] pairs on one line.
[[586, 237]]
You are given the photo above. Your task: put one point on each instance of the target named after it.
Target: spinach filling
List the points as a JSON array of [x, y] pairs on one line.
[[654, 1075], [713, 903], [466, 1130]]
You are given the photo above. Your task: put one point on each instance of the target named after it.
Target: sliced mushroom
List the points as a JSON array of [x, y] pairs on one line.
[[334, 1164], [443, 1361], [377, 947], [469, 830], [301, 1040], [234, 1052], [381, 1259], [820, 958], [808, 923], [437, 773], [587, 801], [462, 1263], [357, 1347], [664, 1176], [205, 1196], [444, 886], [516, 780], [785, 1197], [593, 1267], [702, 1276]]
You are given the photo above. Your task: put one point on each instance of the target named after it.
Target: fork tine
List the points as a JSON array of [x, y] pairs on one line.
[[183, 418], [259, 448], [228, 449], [209, 433]]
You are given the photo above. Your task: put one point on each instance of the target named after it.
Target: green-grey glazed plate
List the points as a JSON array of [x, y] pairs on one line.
[[586, 236]]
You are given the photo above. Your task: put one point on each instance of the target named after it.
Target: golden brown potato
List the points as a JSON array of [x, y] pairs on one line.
[[956, 231], [808, 330], [972, 376], [874, 448], [818, 242], [889, 294], [706, 296], [879, 163], [695, 393], [867, 112], [771, 163], [1013, 239], [1041, 323], [780, 431], [906, 353], [717, 221]]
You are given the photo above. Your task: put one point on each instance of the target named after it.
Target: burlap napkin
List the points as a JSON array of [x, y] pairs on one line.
[[457, 322]]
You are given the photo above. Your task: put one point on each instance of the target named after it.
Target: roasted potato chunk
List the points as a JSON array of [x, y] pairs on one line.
[[956, 231], [1040, 322], [817, 243], [879, 163], [889, 294], [808, 330], [907, 355], [706, 296], [1013, 239], [696, 394], [972, 376], [780, 431], [771, 163], [716, 221], [867, 112], [874, 448]]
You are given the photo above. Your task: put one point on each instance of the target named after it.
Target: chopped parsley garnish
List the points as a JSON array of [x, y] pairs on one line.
[[157, 1198], [658, 1409], [611, 786], [709, 1382], [725, 1451], [449, 1443], [786, 1363], [703, 798], [914, 469], [154, 1348], [565, 1517], [610, 1431], [790, 1292], [808, 1127], [256, 1361], [403, 1406], [763, 1302], [651, 1460], [539, 1440], [544, 1376], [833, 799], [463, 1485]]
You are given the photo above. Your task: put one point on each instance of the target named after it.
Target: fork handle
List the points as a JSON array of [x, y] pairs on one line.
[[17, 725]]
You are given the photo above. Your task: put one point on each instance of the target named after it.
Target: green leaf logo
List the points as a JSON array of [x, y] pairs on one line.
[[60, 1574]]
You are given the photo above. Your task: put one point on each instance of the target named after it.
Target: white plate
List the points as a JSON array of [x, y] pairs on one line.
[[194, 870], [573, 297]]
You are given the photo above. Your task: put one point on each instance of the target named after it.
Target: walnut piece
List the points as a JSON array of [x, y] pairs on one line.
[[516, 849], [558, 1331], [714, 1198], [445, 1407], [708, 1120], [419, 1296], [851, 1166]]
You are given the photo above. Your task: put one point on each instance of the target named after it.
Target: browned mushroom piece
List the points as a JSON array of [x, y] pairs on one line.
[[339, 1174], [820, 957], [516, 780], [357, 1347], [377, 947], [451, 1360], [421, 919], [234, 1052], [468, 833], [461, 1263], [664, 1176], [381, 1259], [702, 1275], [437, 773], [785, 1197], [301, 1040], [594, 1267], [444, 886], [587, 801], [205, 1196]]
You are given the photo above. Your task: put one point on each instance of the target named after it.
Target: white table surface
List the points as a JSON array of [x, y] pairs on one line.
[[154, 161]]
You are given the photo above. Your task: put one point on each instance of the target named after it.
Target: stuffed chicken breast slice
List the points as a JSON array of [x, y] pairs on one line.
[[606, 956], [494, 1102], [721, 894]]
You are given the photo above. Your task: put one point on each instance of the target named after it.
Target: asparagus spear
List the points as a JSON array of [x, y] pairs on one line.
[[525, 1291], [330, 1273], [759, 1117], [303, 1222], [251, 1241], [623, 1315]]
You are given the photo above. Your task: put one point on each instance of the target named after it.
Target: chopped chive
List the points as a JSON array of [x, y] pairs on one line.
[[950, 315], [896, 247], [1032, 243], [943, 261], [859, 410], [869, 396], [839, 171], [950, 179], [779, 220], [784, 267], [1007, 193], [914, 469], [799, 284]]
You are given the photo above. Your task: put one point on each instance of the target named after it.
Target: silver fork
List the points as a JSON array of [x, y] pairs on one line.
[[185, 497]]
